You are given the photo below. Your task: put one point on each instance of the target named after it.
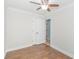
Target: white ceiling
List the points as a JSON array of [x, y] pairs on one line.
[[25, 5]]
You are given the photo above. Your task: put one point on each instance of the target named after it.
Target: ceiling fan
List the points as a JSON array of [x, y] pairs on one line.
[[45, 5]]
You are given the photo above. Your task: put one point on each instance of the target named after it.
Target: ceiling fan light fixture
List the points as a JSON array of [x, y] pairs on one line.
[[44, 7]]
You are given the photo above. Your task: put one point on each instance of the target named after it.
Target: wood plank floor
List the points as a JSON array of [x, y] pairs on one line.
[[40, 51]]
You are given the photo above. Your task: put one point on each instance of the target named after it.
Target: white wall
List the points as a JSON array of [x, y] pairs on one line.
[[21, 28], [62, 30]]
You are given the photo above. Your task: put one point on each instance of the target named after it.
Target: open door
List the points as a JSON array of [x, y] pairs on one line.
[[48, 21]]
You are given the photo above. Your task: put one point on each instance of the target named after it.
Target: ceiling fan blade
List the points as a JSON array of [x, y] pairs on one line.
[[42, 2], [38, 8], [53, 5], [35, 3], [46, 1], [48, 10]]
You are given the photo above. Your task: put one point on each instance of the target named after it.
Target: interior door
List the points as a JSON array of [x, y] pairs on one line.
[[38, 31]]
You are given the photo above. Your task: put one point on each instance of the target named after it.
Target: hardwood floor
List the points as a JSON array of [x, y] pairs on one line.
[[40, 51]]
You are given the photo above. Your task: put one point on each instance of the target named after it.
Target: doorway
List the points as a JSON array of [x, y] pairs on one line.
[[48, 22]]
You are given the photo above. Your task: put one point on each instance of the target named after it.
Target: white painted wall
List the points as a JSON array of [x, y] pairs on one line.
[[21, 27], [62, 30]]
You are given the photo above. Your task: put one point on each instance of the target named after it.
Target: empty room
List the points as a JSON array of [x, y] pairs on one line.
[[39, 29]]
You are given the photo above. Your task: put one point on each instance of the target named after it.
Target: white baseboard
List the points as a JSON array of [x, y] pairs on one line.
[[64, 52], [16, 48], [23, 46]]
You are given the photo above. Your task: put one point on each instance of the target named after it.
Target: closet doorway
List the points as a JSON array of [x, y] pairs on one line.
[[48, 24]]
